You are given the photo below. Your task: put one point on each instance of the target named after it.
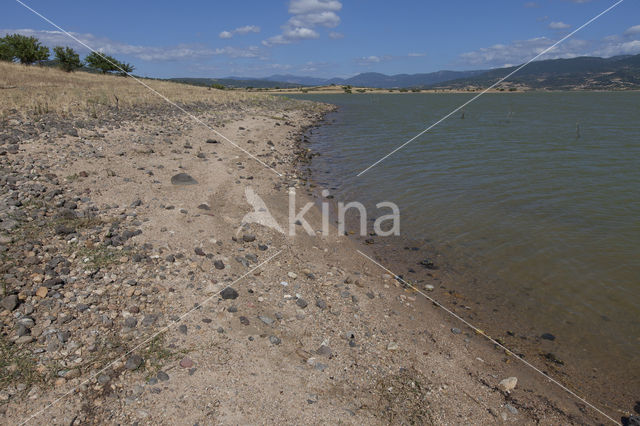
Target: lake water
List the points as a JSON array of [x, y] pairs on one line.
[[532, 197]]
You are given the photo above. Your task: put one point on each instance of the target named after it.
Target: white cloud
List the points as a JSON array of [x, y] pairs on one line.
[[306, 16], [335, 35], [240, 30], [247, 29], [145, 53], [531, 4], [557, 25], [521, 51], [371, 60], [416, 54], [300, 7], [633, 30]]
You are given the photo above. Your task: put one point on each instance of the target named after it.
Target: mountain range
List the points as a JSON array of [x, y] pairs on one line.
[[589, 73]]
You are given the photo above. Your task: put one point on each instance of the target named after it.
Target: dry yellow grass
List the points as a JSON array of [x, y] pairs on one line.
[[33, 90]]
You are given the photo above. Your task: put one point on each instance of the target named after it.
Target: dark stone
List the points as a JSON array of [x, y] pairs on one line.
[[548, 336], [162, 376], [212, 141], [428, 264], [229, 293], [456, 330], [301, 303], [10, 302], [244, 320], [64, 230], [204, 207], [199, 251], [321, 304], [183, 179], [248, 238], [218, 264], [551, 357], [133, 363], [262, 247], [131, 322], [182, 329]]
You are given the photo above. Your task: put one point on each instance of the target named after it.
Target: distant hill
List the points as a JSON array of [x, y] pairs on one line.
[[383, 81], [370, 79], [585, 73], [235, 82]]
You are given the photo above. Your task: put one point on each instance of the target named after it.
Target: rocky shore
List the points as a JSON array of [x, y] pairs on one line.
[[132, 293]]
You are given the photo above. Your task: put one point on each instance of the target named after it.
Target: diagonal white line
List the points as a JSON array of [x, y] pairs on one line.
[[162, 330], [553, 46], [480, 332], [193, 117]]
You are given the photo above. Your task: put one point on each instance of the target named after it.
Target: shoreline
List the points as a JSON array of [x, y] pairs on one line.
[[124, 247]]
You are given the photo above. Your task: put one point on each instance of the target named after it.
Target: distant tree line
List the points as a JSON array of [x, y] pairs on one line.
[[29, 50]]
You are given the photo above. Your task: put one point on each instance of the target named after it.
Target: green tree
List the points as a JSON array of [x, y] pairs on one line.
[[101, 62], [26, 49], [125, 68], [6, 51], [68, 59], [108, 64]]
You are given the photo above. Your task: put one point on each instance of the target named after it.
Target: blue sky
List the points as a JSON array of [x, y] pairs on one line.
[[327, 38]]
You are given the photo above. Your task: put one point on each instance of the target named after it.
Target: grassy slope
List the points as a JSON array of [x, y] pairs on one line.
[[40, 90]]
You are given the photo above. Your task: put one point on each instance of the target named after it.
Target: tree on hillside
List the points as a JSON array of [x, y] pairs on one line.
[[126, 68], [107, 64], [6, 51], [102, 62], [68, 59], [25, 49]]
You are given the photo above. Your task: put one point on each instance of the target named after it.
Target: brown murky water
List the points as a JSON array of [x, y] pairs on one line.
[[531, 200]]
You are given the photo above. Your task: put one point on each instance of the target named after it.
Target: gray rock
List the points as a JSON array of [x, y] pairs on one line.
[[456, 330], [103, 379], [183, 179], [275, 340], [162, 376], [182, 329], [21, 330], [218, 264], [229, 293], [265, 319], [301, 303], [149, 320], [320, 367], [248, 238], [131, 322], [324, 350], [511, 408], [10, 302], [27, 322], [321, 304], [133, 363]]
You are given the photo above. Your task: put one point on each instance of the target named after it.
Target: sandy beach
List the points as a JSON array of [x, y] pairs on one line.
[[134, 294]]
